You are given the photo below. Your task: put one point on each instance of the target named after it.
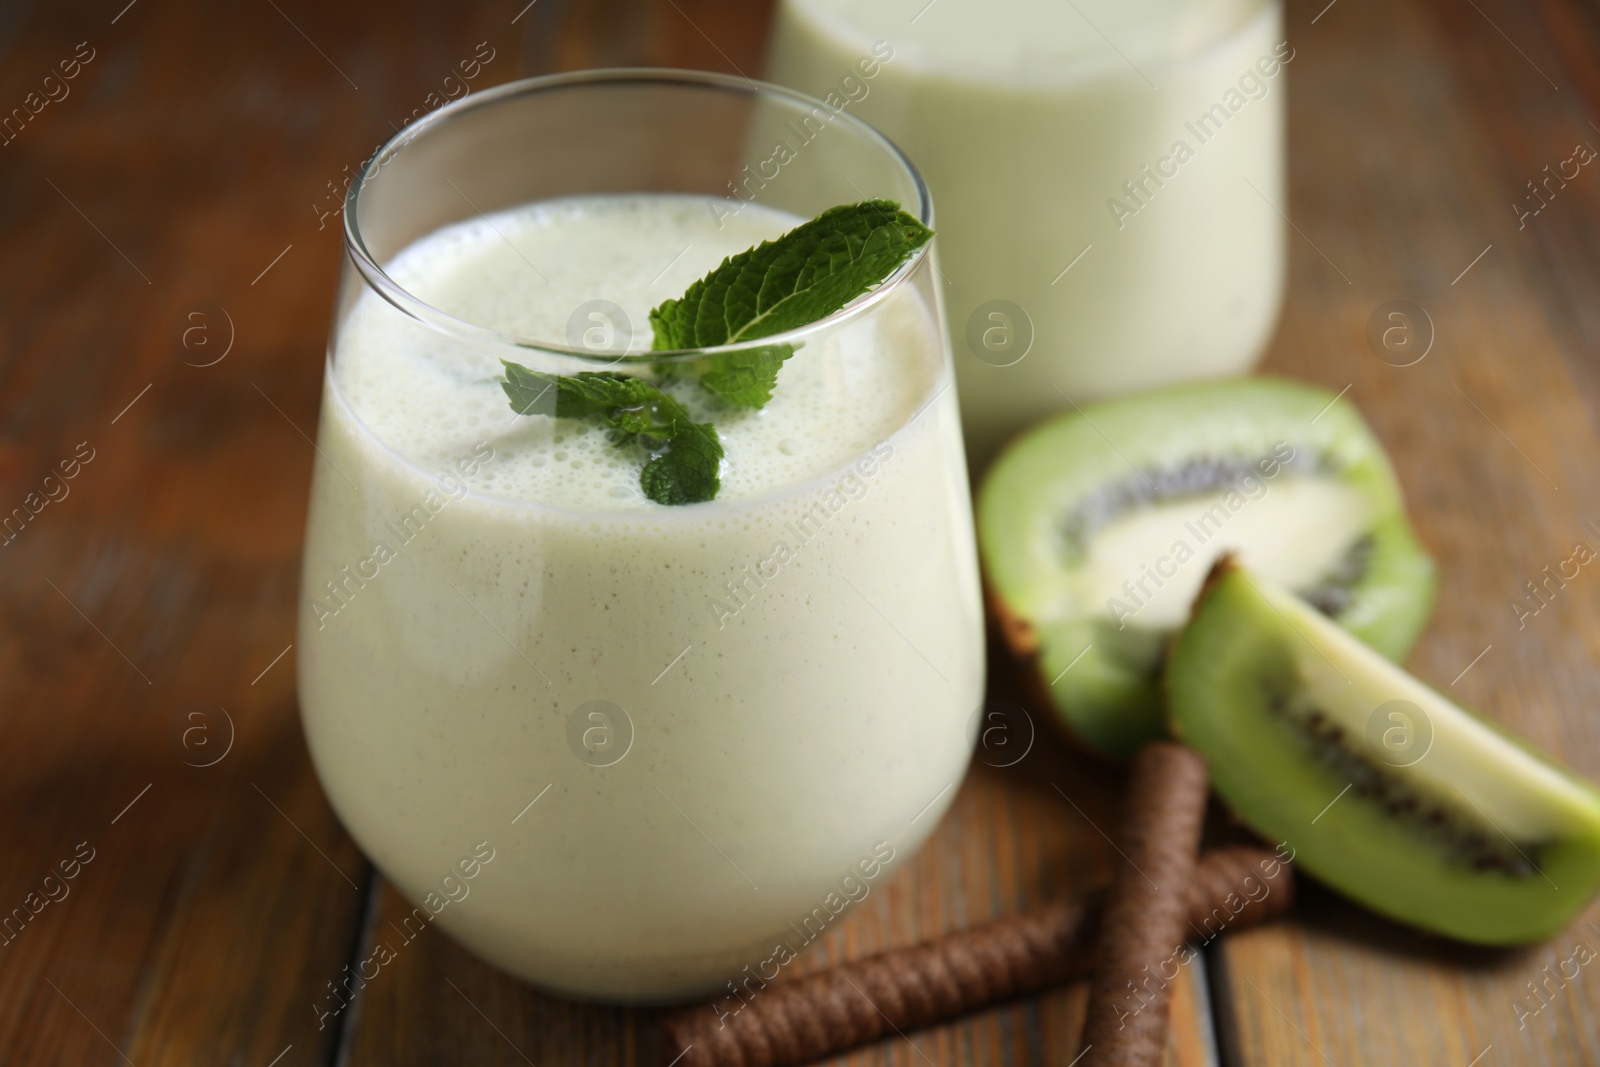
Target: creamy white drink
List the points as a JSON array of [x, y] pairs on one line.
[[679, 729], [1109, 171]]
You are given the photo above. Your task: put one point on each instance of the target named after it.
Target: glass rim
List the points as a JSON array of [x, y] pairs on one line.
[[410, 304]]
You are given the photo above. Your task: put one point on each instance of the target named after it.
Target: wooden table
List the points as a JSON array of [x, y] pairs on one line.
[[175, 203]]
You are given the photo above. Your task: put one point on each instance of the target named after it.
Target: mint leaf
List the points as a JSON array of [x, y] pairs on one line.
[[686, 455], [744, 378], [533, 392], [687, 471], [805, 275]]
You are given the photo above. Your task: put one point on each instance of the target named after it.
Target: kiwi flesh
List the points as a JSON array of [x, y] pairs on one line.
[[1383, 788], [1097, 528]]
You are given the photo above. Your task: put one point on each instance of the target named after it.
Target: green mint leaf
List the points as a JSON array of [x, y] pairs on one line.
[[686, 455], [578, 396], [530, 392], [805, 275], [686, 472], [744, 378]]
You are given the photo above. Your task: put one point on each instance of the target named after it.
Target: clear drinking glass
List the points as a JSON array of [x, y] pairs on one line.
[[621, 749]]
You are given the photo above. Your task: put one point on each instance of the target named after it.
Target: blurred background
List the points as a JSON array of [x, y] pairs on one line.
[[173, 176]]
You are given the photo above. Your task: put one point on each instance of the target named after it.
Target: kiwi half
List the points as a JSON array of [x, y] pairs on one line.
[[1097, 528], [1383, 788]]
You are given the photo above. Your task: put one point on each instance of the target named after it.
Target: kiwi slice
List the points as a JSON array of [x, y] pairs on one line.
[[1098, 527], [1384, 789]]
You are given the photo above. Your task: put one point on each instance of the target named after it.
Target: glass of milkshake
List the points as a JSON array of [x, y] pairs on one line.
[[621, 749], [1109, 175]]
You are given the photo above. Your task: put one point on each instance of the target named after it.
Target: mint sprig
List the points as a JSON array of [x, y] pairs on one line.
[[803, 276]]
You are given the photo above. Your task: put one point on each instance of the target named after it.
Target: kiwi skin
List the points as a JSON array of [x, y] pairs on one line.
[[1110, 700], [1109, 739], [1247, 640]]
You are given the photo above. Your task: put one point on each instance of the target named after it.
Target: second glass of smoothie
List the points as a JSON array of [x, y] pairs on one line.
[[1109, 175]]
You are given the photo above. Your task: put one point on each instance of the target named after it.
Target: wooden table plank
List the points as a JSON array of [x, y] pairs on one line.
[[1412, 130]]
